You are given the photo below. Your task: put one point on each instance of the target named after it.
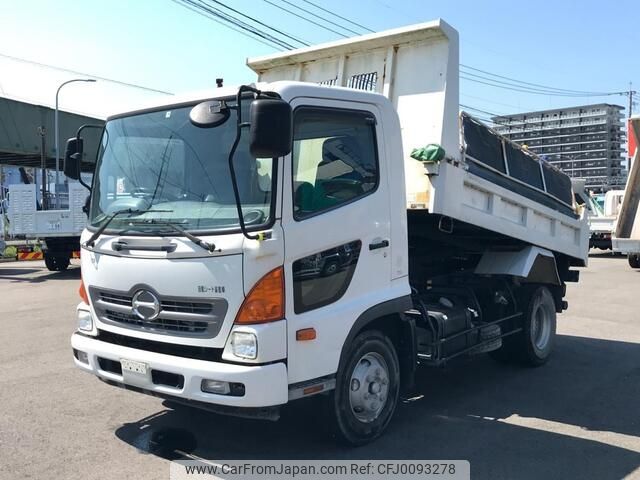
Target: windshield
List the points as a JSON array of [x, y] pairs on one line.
[[160, 162]]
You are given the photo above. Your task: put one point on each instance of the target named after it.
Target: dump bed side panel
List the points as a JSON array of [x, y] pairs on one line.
[[628, 225]]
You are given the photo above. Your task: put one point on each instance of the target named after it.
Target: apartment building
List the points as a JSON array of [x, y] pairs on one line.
[[584, 141]]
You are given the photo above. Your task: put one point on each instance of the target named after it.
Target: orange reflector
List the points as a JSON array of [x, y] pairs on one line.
[[314, 389], [306, 334], [83, 292], [265, 302]]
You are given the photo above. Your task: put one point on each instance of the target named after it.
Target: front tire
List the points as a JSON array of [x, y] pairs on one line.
[[634, 260], [367, 389]]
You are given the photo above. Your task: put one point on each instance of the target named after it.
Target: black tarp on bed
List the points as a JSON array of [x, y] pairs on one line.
[[508, 162]]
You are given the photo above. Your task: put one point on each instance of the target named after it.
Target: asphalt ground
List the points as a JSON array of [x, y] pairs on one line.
[[576, 417]]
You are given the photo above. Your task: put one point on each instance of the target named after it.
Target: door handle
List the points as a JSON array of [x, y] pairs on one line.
[[379, 244]]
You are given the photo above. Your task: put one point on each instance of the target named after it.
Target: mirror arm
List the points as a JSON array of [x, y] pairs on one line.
[[82, 182], [239, 126], [234, 182]]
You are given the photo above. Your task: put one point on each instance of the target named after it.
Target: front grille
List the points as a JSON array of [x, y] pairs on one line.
[[159, 323], [177, 316]]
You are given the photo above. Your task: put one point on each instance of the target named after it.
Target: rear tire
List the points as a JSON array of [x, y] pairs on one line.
[[367, 389], [55, 263], [634, 260], [534, 344]]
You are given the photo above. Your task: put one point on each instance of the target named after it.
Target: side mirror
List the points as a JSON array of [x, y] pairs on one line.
[[72, 157], [209, 114], [270, 128]]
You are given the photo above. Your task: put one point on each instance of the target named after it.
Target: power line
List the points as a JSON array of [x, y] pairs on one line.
[[341, 17], [295, 39], [480, 110], [485, 119], [231, 21], [546, 87], [504, 84], [534, 92], [305, 18], [330, 22], [75, 72], [224, 24], [486, 100], [239, 23]]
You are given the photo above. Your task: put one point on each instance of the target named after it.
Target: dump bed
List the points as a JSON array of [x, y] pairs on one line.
[[627, 232], [484, 179]]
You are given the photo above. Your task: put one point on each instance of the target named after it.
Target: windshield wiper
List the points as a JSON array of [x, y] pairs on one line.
[[210, 247], [132, 211]]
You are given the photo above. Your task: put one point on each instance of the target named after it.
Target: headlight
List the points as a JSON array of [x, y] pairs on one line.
[[244, 345], [85, 321]]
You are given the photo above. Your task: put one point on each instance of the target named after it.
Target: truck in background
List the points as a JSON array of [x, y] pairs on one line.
[[627, 230], [58, 229], [248, 247], [602, 219]]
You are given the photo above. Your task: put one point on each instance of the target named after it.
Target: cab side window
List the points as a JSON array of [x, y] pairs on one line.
[[335, 159]]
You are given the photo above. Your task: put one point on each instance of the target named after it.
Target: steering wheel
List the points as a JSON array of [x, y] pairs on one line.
[[141, 192], [342, 188], [253, 217]]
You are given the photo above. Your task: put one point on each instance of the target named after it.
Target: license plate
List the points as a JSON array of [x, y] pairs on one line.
[[133, 366]]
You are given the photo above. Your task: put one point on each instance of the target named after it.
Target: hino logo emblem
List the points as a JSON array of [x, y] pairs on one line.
[[146, 305]]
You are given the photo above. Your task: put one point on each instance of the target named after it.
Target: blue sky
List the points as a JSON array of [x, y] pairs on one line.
[[587, 45]]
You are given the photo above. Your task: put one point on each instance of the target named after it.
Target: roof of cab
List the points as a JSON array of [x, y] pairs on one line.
[[287, 89]]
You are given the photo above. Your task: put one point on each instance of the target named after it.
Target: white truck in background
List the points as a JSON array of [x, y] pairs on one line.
[[248, 247], [602, 220], [626, 239], [59, 229]]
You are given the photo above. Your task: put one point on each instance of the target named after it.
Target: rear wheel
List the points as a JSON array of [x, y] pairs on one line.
[[367, 389], [56, 263], [634, 260], [533, 345]]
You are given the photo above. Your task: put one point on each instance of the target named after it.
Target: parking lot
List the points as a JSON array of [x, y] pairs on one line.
[[576, 417]]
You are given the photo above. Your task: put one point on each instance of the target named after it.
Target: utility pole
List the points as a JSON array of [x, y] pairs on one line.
[[630, 94], [43, 164]]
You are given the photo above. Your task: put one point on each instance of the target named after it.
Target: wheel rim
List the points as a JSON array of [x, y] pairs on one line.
[[369, 387], [541, 327]]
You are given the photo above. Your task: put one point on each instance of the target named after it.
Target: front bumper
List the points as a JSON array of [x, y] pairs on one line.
[[265, 385]]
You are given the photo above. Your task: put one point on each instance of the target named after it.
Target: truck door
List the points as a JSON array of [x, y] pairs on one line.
[[337, 229]]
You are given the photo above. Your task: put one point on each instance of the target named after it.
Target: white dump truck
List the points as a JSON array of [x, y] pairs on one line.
[[324, 231], [627, 230]]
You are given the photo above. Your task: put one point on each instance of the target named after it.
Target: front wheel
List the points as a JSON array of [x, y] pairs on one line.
[[367, 389], [634, 260]]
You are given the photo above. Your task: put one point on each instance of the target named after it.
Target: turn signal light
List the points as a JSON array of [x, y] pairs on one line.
[[83, 292], [265, 302], [306, 334]]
